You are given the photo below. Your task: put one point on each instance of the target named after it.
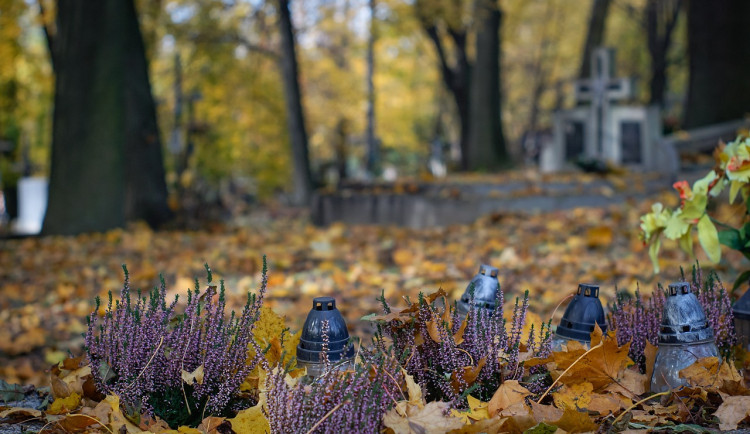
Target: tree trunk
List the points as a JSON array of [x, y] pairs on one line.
[[719, 51], [661, 18], [295, 119], [106, 155], [594, 35], [372, 145], [486, 149]]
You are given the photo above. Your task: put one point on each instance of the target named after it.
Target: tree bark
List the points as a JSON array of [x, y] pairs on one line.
[[486, 148], [372, 145], [106, 156], [301, 175], [661, 18], [455, 77], [719, 65], [594, 35]]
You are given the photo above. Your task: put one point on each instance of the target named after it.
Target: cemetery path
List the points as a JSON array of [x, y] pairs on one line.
[[47, 285]]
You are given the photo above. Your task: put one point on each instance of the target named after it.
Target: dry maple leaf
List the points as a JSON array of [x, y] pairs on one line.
[[509, 394], [574, 396], [574, 421], [732, 411], [429, 419], [713, 374]]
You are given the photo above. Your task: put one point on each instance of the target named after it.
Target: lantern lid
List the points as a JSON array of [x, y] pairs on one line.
[[311, 342], [581, 315], [683, 319], [741, 307], [485, 286]]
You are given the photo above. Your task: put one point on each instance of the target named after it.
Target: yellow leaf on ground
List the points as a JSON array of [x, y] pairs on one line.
[[415, 392], [64, 405], [575, 396], [508, 394], [574, 421], [251, 420], [429, 419], [711, 373], [732, 411]]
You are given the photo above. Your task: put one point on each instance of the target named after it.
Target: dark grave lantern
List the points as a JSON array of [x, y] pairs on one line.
[[580, 317], [485, 286], [311, 345], [684, 337], [741, 311]]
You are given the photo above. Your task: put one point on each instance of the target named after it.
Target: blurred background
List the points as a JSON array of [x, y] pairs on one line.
[[363, 145]]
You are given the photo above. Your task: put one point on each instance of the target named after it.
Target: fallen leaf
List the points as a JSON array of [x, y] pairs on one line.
[[542, 413], [251, 420], [196, 376], [732, 411], [574, 421], [508, 394], [574, 396], [64, 405], [429, 419]]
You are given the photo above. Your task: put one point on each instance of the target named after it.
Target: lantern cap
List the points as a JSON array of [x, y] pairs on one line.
[[683, 319], [311, 342], [582, 314], [485, 286], [741, 307]]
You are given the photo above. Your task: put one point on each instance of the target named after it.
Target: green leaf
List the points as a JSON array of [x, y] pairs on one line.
[[742, 278], [11, 392], [734, 187], [731, 238], [709, 238], [686, 243]]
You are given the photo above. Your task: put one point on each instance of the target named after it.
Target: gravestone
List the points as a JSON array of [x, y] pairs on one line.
[[599, 128]]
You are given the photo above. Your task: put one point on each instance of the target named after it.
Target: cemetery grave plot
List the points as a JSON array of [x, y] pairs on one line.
[[461, 199]]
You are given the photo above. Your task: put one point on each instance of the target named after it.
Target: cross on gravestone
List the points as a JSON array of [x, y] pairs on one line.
[[599, 90]]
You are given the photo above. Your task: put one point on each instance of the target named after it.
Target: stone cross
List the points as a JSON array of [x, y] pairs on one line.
[[599, 90]]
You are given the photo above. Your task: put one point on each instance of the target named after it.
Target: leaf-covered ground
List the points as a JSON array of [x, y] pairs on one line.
[[47, 285]]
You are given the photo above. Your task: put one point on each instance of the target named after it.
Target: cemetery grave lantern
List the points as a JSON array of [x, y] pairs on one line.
[[741, 310], [580, 317], [684, 337], [312, 342], [485, 287]]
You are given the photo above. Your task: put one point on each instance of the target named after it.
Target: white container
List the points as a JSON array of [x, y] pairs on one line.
[[32, 205]]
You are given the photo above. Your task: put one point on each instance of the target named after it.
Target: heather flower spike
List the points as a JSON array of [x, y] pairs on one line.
[[141, 347]]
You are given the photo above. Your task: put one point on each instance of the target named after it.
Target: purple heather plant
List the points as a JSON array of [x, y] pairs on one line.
[[437, 362], [142, 345], [338, 401], [637, 321]]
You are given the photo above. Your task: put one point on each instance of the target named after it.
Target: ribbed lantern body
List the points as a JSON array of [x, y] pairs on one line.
[[485, 286], [684, 337], [311, 344], [580, 317], [741, 311]]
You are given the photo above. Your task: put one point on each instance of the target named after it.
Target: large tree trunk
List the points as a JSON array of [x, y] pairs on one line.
[[486, 149], [106, 155], [372, 145], [594, 35], [661, 18], [719, 51], [295, 119]]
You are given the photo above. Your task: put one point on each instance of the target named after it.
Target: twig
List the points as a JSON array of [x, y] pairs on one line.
[[667, 392], [539, 401], [161, 340], [560, 304], [79, 415], [311, 430]]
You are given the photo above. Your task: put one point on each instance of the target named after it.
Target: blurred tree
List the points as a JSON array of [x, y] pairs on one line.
[[106, 156], [719, 51], [661, 18], [301, 175], [485, 148], [594, 34]]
